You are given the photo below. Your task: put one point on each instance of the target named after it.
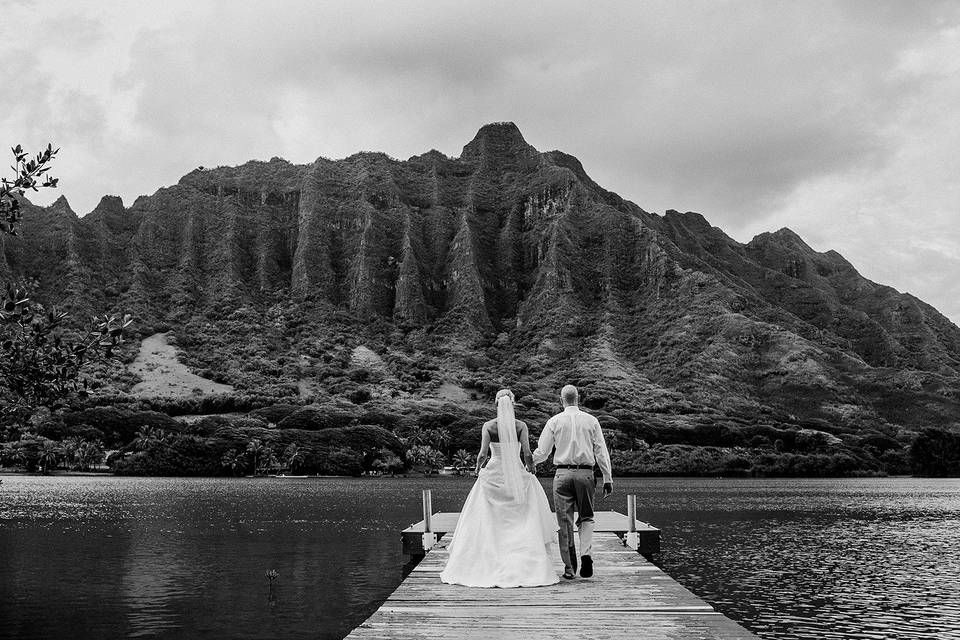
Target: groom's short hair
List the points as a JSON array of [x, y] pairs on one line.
[[569, 395]]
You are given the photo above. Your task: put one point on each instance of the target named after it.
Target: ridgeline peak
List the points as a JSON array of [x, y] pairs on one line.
[[497, 139]]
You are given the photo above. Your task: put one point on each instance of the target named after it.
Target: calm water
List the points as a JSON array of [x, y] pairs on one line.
[[84, 557]]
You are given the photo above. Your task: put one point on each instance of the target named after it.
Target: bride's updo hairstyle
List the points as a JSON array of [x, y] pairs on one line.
[[504, 392]]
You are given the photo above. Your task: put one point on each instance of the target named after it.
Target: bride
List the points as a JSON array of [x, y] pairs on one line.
[[506, 533]]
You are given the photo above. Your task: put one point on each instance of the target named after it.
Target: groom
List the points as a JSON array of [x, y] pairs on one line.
[[580, 445]]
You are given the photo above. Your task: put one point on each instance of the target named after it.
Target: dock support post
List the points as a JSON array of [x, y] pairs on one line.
[[429, 537], [632, 538]]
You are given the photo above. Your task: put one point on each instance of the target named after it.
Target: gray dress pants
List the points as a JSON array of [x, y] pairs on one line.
[[573, 490]]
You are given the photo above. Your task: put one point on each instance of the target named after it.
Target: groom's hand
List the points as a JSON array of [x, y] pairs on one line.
[[607, 489]]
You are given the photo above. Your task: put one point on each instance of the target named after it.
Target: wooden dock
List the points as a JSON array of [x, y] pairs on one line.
[[628, 597]]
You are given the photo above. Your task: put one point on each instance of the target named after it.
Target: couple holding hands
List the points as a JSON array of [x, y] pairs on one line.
[[506, 533]]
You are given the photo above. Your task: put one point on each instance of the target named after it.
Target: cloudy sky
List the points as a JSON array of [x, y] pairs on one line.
[[840, 120]]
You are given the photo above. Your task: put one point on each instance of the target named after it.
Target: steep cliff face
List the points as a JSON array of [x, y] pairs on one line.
[[509, 244]]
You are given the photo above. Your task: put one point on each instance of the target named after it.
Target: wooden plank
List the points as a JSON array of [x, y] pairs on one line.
[[599, 625], [628, 597]]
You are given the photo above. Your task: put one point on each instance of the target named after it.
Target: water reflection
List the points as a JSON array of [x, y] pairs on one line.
[[104, 557], [155, 572]]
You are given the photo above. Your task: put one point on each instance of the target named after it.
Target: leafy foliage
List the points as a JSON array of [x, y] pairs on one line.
[[39, 367], [27, 173]]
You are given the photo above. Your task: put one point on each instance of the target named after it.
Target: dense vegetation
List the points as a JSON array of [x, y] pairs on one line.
[[337, 437]]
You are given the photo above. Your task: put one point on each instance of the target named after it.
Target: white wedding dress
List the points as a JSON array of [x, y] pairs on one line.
[[506, 534]]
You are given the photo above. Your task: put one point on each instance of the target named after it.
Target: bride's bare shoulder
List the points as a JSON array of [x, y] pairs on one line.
[[490, 424]]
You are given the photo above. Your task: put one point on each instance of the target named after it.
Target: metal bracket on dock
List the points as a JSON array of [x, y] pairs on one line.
[[429, 539]]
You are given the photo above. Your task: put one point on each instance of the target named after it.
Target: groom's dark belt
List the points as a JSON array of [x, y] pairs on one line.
[[574, 466]]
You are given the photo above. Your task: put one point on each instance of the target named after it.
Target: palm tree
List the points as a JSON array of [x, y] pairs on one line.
[[436, 438], [268, 459], [426, 456], [147, 437], [89, 454], [254, 448], [71, 449], [49, 455], [143, 439], [231, 460], [416, 435], [418, 454], [439, 438], [436, 459], [294, 456], [463, 459], [19, 454]]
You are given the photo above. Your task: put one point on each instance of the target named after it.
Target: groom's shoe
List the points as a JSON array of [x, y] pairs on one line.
[[568, 576], [586, 566], [573, 558]]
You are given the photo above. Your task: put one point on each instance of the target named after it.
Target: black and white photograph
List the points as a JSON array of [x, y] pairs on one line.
[[471, 320]]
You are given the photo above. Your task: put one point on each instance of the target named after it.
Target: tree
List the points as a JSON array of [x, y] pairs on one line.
[[148, 437], [293, 456], [28, 449], [386, 461], [26, 175], [16, 453], [936, 452], [268, 460], [49, 456], [414, 435], [426, 456], [342, 461], [39, 365], [418, 454], [440, 439], [231, 460], [89, 454], [436, 438], [70, 449], [463, 460], [254, 449]]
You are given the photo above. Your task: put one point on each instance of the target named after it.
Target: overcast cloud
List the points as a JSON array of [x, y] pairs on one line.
[[838, 120]]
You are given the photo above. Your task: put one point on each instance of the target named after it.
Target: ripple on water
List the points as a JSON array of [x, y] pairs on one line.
[[856, 563]]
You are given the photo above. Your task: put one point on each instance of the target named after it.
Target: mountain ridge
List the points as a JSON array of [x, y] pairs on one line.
[[505, 265]]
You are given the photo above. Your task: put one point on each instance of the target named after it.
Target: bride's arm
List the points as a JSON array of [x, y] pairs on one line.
[[525, 446], [484, 448]]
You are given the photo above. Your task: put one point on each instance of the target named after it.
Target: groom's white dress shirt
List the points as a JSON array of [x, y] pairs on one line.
[[578, 439]]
